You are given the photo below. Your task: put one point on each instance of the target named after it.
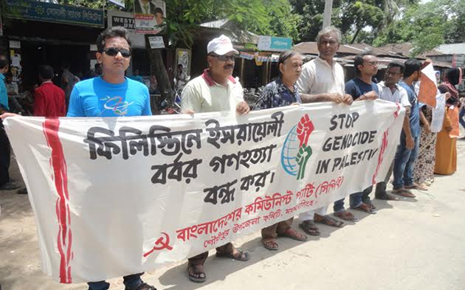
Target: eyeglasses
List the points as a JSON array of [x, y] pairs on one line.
[[372, 62], [113, 51], [390, 73], [224, 57]]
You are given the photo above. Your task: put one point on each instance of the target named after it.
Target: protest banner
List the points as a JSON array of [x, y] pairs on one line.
[[118, 196]]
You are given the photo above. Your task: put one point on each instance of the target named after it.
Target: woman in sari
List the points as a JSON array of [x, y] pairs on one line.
[[424, 166], [446, 149]]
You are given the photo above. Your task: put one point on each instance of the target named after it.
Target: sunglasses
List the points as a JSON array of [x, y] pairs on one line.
[[224, 57], [113, 51]]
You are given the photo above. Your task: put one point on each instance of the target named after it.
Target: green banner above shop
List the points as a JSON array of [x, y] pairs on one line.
[[47, 12]]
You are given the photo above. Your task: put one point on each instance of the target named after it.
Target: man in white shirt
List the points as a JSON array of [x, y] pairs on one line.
[[322, 80], [215, 91], [390, 90]]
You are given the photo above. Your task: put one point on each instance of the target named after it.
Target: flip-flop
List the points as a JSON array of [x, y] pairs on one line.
[[195, 276], [240, 256], [329, 221], [293, 234], [270, 244]]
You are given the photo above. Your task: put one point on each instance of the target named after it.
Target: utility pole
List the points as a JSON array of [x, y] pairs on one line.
[[327, 14]]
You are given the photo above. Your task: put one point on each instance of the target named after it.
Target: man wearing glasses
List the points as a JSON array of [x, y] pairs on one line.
[[215, 91], [362, 88], [322, 80], [112, 95]]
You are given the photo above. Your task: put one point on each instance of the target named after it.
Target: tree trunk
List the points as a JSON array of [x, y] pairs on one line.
[[355, 35], [157, 68]]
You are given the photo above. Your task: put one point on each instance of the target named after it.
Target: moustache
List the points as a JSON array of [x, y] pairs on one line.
[[228, 66]]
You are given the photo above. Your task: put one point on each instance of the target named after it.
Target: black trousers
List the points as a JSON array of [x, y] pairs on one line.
[[5, 153]]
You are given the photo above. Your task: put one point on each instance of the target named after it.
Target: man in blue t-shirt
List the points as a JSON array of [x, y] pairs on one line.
[[112, 95], [407, 151], [362, 88]]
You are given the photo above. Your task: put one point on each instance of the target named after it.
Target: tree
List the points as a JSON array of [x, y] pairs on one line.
[[358, 20], [423, 25], [456, 22]]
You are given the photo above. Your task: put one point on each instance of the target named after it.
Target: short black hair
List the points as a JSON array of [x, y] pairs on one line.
[[3, 62], [453, 76], [397, 64], [358, 60], [158, 10], [411, 66], [111, 32], [46, 72]]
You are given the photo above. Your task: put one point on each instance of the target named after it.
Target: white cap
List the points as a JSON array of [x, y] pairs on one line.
[[221, 46]]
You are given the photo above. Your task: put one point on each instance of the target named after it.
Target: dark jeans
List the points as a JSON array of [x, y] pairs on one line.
[[404, 162], [381, 186], [338, 205], [130, 281], [4, 156], [357, 198], [462, 116]]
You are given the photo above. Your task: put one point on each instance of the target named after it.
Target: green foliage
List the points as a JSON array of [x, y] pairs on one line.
[[455, 32], [355, 18], [423, 25]]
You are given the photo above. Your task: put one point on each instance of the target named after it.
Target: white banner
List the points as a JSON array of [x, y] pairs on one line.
[[117, 196]]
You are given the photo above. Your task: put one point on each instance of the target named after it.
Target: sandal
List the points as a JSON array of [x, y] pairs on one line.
[[365, 208], [239, 255], [270, 244], [329, 221], [143, 286], [369, 203], [293, 234], [403, 192], [416, 186], [196, 273], [346, 215], [309, 228]]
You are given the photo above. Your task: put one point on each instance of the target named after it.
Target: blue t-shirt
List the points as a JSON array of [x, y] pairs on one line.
[[356, 87], [3, 93], [414, 109], [98, 98]]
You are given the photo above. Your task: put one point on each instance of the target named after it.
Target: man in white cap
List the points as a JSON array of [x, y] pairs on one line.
[[214, 91]]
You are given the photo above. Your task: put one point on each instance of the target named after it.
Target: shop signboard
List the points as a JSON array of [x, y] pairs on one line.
[[126, 19], [48, 12], [272, 43]]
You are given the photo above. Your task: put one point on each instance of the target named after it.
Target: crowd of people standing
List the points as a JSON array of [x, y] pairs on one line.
[[421, 151]]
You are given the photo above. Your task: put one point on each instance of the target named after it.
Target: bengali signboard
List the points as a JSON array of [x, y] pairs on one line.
[[117, 196], [272, 43], [48, 12]]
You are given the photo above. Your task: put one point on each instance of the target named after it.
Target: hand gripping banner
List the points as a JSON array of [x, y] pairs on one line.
[[118, 196]]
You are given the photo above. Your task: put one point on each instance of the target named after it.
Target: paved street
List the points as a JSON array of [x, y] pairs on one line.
[[409, 245]]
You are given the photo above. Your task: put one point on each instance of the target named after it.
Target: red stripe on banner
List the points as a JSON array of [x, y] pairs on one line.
[[60, 177], [381, 155]]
